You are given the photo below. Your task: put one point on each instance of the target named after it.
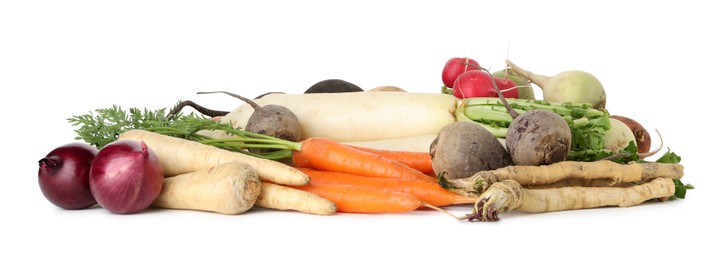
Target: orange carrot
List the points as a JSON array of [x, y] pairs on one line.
[[425, 191], [417, 160], [363, 200], [327, 155]]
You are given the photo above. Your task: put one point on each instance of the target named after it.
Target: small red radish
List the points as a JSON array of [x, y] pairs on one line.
[[455, 67], [508, 87], [477, 83]]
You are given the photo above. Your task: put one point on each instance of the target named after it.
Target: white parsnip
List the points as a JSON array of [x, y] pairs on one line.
[[229, 188], [285, 198], [180, 156], [603, 172], [358, 116], [510, 195]]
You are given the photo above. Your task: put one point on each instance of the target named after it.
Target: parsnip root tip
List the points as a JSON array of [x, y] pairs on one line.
[[500, 197], [439, 209]]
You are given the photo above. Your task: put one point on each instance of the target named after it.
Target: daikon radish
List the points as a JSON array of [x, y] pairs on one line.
[[418, 143], [358, 116]]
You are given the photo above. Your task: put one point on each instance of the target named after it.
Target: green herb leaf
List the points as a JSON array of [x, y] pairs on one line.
[[105, 125], [669, 157], [628, 154], [680, 190]]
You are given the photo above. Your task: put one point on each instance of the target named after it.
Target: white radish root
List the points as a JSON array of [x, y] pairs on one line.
[[229, 188], [358, 116], [419, 143]]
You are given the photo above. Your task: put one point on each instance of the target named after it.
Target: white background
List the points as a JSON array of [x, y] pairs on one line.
[[661, 64]]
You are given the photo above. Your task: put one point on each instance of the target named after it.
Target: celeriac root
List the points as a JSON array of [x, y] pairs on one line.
[[553, 173], [509, 195]]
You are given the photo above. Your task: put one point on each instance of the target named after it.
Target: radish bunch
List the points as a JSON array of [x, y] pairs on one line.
[[464, 79]]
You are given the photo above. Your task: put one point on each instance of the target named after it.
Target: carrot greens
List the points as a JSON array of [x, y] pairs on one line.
[[104, 126]]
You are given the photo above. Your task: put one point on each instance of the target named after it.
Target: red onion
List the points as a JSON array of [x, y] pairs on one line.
[[63, 176], [126, 177]]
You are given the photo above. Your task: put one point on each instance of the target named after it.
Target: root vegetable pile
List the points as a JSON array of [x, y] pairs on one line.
[[570, 185], [484, 141]]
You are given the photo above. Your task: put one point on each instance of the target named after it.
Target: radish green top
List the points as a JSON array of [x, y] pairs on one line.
[[588, 125]]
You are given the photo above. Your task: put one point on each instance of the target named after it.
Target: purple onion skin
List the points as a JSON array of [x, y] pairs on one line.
[[126, 177], [63, 176]]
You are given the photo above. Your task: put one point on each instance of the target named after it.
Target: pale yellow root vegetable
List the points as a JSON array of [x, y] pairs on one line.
[[388, 88], [618, 137], [358, 116], [418, 143], [285, 198], [180, 156], [229, 188], [549, 174], [509, 195], [581, 183]]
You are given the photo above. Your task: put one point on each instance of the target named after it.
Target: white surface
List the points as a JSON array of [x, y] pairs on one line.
[[661, 64]]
